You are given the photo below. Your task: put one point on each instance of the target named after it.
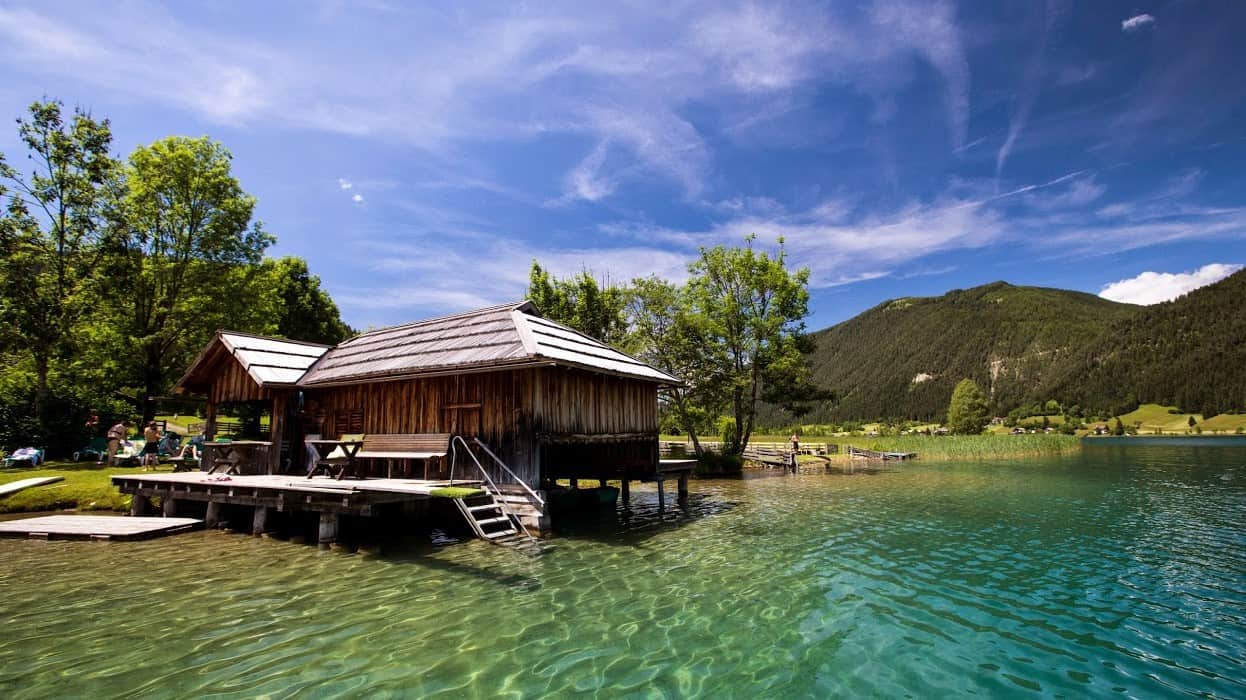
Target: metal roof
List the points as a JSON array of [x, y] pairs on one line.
[[494, 337], [272, 360]]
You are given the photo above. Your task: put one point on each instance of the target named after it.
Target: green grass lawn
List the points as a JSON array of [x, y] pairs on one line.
[[86, 487], [1155, 417], [1225, 423]]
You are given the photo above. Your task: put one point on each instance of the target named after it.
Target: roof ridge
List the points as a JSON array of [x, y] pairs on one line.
[[511, 306], [221, 331]]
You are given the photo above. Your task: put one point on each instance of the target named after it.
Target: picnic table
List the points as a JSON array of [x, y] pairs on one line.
[[342, 465], [228, 455]]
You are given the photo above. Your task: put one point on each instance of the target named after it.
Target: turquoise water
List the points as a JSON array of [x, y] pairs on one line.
[[1121, 570]]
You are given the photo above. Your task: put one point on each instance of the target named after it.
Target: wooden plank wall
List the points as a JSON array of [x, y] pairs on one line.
[[232, 383], [507, 410], [495, 406]]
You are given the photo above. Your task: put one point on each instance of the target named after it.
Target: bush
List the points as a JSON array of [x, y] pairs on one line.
[[715, 463]]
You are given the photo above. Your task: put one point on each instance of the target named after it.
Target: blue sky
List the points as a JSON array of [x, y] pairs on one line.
[[420, 158]]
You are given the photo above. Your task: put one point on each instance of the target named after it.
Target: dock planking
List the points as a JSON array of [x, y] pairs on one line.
[[95, 527], [15, 486]]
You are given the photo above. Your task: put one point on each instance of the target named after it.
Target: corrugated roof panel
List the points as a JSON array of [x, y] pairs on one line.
[[250, 342], [276, 375], [627, 368]]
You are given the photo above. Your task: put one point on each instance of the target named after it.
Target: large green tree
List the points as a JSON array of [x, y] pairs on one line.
[[967, 413], [752, 309], [51, 230], [188, 260], [306, 312], [668, 335], [594, 309]]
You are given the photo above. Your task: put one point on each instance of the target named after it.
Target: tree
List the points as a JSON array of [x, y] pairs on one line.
[[306, 311], [967, 412], [50, 234], [187, 260], [666, 334], [581, 303], [750, 307]]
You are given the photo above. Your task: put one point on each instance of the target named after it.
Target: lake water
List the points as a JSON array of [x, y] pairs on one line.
[[1121, 570]]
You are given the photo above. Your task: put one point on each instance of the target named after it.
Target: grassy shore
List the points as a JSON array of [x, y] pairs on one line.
[[86, 487], [944, 447], [975, 447]]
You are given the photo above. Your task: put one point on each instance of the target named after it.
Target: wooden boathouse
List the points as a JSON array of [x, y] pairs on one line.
[[533, 401]]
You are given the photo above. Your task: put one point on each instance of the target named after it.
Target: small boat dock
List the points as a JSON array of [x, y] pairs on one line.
[[95, 527], [857, 452]]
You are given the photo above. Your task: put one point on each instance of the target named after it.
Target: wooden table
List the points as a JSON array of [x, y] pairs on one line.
[[231, 453], [324, 448]]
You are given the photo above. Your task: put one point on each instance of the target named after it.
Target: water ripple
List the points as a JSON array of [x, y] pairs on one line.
[[1120, 570]]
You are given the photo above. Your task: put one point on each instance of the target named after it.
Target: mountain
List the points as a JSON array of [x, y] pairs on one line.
[[1189, 352], [902, 358]]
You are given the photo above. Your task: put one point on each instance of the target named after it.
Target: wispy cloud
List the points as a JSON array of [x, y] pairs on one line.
[[1137, 22], [344, 184], [1155, 287]]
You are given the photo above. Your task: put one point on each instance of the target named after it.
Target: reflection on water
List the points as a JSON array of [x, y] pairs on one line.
[[1121, 569]]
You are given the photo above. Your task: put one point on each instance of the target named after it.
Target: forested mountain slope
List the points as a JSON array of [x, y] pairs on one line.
[[1190, 352], [902, 358]]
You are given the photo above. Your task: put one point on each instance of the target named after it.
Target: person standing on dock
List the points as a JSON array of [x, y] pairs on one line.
[[795, 452], [151, 446]]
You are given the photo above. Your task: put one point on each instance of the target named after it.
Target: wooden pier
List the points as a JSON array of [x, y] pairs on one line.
[[95, 527], [267, 495], [875, 454]]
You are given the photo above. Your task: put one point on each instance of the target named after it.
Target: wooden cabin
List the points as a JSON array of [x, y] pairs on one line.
[[550, 402]]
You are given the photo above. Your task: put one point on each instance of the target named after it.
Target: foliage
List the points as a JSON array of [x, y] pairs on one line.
[[51, 230], [1190, 352], [113, 277], [967, 413], [580, 302], [189, 252], [305, 311], [665, 333], [751, 308], [902, 358]]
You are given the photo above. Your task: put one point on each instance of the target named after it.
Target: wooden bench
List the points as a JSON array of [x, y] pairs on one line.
[[426, 447]]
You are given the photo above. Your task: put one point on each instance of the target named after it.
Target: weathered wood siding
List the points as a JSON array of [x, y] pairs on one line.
[[578, 402], [495, 406], [231, 382], [528, 417]]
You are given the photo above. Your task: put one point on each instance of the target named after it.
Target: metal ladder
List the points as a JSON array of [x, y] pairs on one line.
[[490, 514]]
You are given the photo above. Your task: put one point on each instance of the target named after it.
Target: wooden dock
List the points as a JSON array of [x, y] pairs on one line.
[[95, 527], [266, 496], [875, 454], [15, 486]]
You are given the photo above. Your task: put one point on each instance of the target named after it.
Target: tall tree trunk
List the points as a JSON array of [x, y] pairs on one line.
[[152, 382]]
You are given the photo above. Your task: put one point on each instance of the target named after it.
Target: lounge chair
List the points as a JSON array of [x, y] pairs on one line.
[[33, 455], [96, 449], [187, 459]]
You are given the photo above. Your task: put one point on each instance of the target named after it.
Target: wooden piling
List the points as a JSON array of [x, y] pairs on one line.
[[661, 493], [169, 506], [329, 523], [259, 522], [212, 518], [140, 506]]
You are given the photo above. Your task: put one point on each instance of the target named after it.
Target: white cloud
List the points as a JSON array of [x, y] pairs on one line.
[[344, 184], [357, 198], [1156, 287], [1137, 22]]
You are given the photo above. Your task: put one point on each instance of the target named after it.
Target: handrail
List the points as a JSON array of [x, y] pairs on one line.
[[454, 453], [514, 476]]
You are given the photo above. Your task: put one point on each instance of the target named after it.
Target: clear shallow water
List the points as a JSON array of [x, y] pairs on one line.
[[1121, 569]]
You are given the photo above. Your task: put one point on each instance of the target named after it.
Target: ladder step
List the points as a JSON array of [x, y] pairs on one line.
[[493, 521], [498, 534], [491, 506]]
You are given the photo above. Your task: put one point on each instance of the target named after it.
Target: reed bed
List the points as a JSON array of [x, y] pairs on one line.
[[976, 447]]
